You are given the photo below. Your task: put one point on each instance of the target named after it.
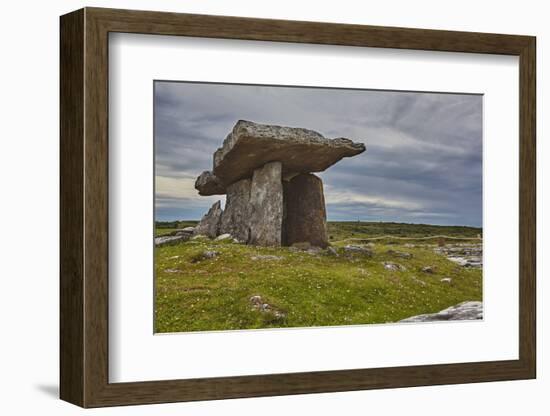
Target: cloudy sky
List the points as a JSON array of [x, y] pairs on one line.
[[423, 162]]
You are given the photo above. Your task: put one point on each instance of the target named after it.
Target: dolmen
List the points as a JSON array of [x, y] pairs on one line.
[[272, 196]]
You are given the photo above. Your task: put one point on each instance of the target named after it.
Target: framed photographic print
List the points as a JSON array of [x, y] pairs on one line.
[[255, 207]]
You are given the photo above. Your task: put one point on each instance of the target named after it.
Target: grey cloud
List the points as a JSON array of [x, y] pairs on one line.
[[422, 148]]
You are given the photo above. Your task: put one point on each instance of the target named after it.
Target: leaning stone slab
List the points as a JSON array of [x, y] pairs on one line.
[[470, 310], [210, 223], [208, 184], [266, 206], [236, 216], [251, 145], [305, 215]]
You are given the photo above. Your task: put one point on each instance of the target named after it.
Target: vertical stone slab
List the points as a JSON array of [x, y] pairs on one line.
[[210, 223], [305, 214], [236, 216], [266, 205]]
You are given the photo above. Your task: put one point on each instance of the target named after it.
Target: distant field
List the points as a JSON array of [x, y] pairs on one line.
[[338, 230], [163, 228], [342, 230], [302, 288]]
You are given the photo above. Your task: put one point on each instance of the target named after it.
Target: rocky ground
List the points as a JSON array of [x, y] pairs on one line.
[[220, 284], [463, 254], [470, 310]]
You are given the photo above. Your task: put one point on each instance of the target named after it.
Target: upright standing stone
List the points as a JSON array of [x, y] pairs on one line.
[[210, 223], [305, 218], [266, 204], [236, 216]]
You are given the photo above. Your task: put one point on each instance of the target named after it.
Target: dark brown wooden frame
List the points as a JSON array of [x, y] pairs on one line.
[[84, 207]]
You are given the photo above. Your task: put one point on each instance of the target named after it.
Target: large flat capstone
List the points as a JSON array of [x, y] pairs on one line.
[[251, 145]]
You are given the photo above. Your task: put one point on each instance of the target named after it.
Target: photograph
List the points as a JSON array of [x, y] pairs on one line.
[[294, 206]]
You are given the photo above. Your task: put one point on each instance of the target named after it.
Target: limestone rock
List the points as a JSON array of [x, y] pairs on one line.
[[251, 145], [204, 255], [332, 251], [394, 267], [266, 205], [258, 304], [305, 217], [358, 250], [236, 216], [266, 257], [469, 310], [171, 239], [210, 223], [208, 184], [223, 237], [464, 254], [314, 251]]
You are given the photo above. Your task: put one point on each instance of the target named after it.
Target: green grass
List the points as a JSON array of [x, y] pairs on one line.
[[194, 294]]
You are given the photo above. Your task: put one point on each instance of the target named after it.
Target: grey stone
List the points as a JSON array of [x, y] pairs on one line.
[[358, 250], [463, 254], [208, 184], [428, 269], [314, 250], [388, 265], [223, 237], [258, 304], [266, 205], [171, 239], [251, 145], [210, 223], [256, 300], [304, 218], [332, 251], [266, 257], [469, 310], [181, 231], [204, 255], [236, 216], [446, 280]]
